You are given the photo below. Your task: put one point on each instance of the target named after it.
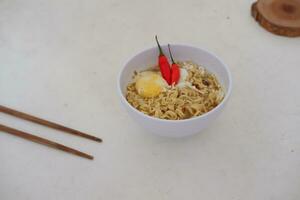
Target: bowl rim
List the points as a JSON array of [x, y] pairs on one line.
[[218, 107]]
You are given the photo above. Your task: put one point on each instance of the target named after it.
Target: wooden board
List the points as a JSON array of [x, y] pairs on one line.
[[281, 17]]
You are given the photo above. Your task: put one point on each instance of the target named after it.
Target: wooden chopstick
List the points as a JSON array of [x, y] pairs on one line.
[[43, 141], [43, 122]]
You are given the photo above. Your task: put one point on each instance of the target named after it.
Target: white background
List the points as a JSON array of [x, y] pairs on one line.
[[59, 59]]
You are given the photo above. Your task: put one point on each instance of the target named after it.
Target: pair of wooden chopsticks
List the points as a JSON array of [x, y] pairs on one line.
[[41, 140]]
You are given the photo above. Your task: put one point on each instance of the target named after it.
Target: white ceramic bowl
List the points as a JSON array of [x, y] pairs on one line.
[[174, 128]]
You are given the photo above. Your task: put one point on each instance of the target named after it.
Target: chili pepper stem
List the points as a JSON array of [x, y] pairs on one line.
[[159, 47], [171, 54]]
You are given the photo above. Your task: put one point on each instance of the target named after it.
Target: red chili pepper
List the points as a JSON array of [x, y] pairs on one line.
[[164, 65], [175, 71]]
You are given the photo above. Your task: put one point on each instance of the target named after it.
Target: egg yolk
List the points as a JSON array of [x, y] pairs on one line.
[[150, 84]]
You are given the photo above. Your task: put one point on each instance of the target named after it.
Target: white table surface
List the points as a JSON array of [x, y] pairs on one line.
[[60, 60]]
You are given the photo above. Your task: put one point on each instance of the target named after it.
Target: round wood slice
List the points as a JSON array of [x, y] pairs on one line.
[[281, 17]]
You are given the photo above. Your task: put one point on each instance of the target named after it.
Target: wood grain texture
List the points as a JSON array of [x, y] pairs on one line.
[[43, 141], [43, 122], [281, 17]]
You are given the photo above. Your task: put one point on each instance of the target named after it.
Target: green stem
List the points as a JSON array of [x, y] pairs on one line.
[[171, 54], [159, 47]]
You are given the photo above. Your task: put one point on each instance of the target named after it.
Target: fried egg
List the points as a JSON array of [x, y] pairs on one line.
[[150, 84]]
